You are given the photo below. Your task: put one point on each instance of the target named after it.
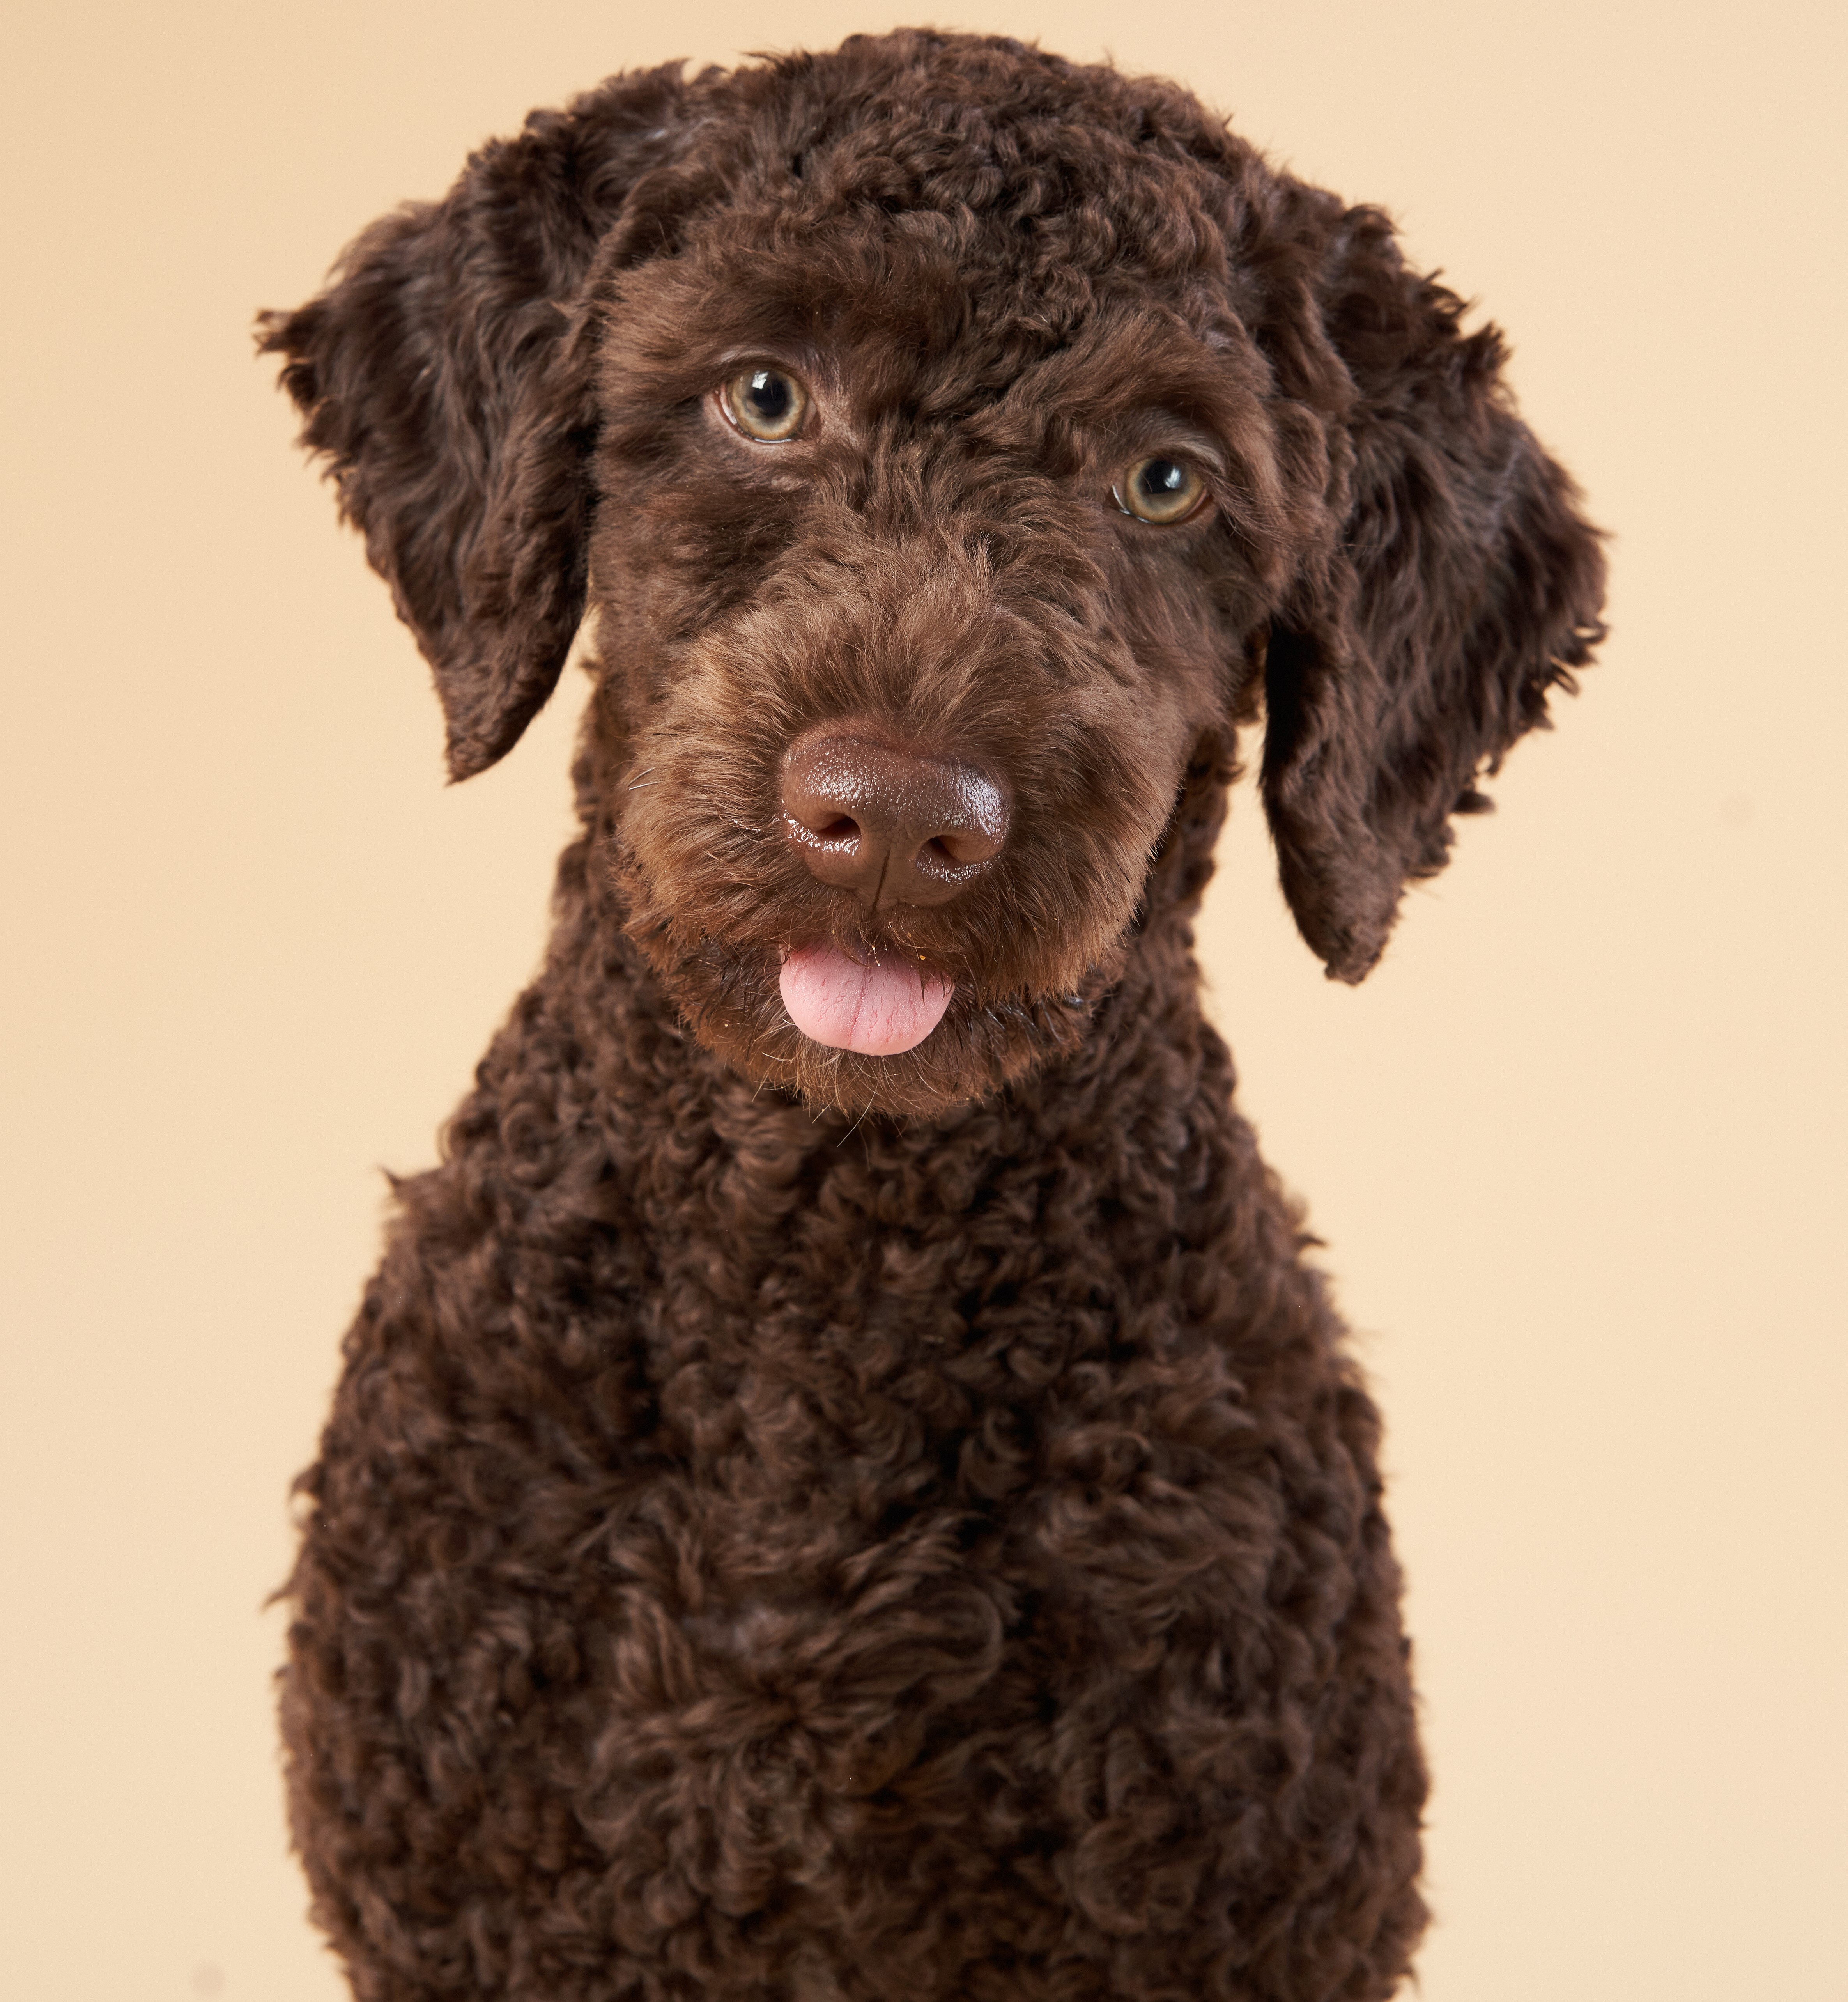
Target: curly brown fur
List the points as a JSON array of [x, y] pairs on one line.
[[800, 1523]]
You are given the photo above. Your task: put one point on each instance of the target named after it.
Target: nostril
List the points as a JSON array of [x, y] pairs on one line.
[[956, 851], [970, 818], [822, 826]]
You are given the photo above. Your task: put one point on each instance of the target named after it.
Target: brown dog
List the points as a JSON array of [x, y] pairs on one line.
[[843, 1487]]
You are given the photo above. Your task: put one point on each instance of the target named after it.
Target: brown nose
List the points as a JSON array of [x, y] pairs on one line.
[[895, 827]]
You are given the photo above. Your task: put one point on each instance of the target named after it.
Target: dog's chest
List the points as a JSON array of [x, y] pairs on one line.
[[924, 1435], [839, 1511]]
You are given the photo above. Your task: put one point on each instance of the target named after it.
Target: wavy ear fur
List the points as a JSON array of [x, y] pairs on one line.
[[1460, 585], [436, 374]]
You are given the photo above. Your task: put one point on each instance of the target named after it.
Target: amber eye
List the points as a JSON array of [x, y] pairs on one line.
[[766, 404], [1160, 489]]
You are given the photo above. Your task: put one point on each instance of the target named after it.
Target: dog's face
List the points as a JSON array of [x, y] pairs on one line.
[[942, 436], [910, 635]]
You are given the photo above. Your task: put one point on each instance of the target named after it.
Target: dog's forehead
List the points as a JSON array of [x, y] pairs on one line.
[[946, 312], [946, 203]]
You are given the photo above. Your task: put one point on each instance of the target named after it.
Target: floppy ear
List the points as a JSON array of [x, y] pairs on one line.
[[439, 375], [1458, 584]]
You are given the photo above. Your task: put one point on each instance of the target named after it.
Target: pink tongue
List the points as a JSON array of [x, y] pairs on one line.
[[879, 1009]]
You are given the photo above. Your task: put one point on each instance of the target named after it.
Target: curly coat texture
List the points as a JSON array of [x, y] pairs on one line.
[[808, 1525]]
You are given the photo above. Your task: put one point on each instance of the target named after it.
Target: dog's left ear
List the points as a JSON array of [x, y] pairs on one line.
[[1457, 584], [439, 375]]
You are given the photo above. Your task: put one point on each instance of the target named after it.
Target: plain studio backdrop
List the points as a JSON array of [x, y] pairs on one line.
[[1574, 1148]]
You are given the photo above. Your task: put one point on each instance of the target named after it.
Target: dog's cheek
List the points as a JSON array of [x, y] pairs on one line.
[[686, 540], [1198, 606]]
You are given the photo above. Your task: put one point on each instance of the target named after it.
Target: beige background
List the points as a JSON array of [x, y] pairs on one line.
[[1575, 1149]]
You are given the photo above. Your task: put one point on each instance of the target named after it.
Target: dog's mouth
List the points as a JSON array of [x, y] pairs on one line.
[[866, 1025], [880, 1006]]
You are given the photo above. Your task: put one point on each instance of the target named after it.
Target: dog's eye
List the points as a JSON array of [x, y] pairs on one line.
[[1160, 489], [766, 404]]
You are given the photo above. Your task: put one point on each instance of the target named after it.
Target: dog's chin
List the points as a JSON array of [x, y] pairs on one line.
[[733, 1004]]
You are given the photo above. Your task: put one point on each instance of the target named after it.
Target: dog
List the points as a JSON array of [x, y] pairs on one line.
[[844, 1487]]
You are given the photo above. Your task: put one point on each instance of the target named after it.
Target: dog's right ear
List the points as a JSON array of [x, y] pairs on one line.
[[445, 377]]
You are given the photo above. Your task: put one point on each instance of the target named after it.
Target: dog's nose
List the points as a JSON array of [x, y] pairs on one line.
[[894, 826]]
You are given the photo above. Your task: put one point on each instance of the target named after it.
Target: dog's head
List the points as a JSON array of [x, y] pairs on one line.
[[953, 443]]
